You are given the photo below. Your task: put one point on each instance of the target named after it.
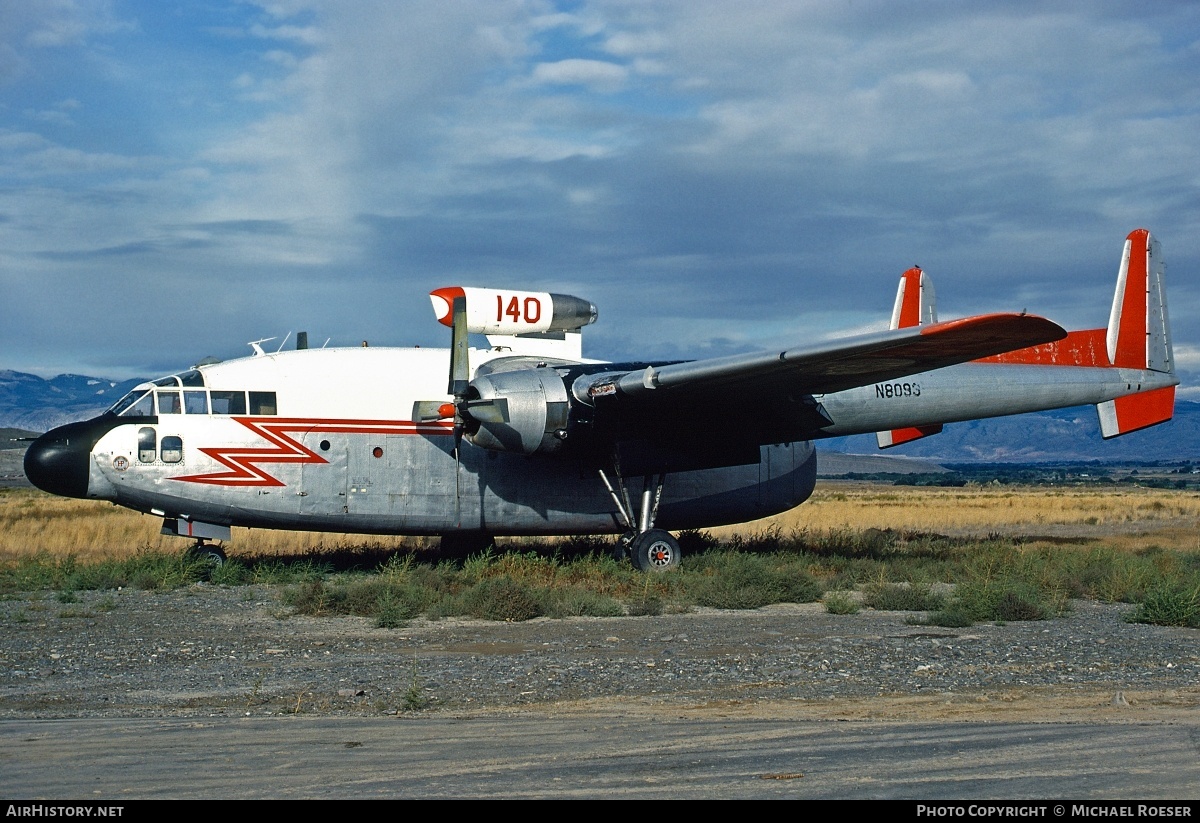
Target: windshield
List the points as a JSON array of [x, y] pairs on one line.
[[138, 402]]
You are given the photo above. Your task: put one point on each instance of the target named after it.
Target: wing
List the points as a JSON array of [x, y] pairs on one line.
[[767, 397], [838, 364]]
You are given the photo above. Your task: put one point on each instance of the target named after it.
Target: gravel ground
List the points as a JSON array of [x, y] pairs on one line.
[[237, 651]]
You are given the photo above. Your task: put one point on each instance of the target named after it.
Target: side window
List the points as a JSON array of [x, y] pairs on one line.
[[263, 402], [195, 402], [147, 444], [168, 402], [228, 402], [172, 449]]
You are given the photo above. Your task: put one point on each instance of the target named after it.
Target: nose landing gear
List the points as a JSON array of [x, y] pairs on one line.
[[201, 552]]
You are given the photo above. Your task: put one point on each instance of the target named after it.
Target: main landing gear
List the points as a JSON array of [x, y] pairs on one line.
[[655, 550], [650, 549]]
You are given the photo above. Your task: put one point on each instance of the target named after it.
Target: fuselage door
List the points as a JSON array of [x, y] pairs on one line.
[[323, 485]]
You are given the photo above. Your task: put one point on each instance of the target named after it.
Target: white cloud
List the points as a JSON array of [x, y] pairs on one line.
[[307, 35], [596, 75], [62, 23]]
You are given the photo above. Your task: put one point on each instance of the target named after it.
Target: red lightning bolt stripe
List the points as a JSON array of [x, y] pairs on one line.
[[243, 462]]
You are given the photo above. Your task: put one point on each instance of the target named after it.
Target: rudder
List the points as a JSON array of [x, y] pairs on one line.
[[1139, 337]]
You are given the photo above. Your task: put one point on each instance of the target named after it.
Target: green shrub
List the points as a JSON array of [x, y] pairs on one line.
[[899, 597], [728, 580], [953, 616], [1169, 606], [577, 602], [501, 598], [1006, 600], [645, 606], [841, 603], [311, 597]]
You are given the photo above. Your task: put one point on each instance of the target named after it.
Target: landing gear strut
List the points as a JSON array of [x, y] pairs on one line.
[[650, 549]]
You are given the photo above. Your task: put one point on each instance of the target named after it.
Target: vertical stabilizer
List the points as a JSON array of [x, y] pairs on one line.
[[916, 305], [916, 301], [1139, 337], [1139, 333]]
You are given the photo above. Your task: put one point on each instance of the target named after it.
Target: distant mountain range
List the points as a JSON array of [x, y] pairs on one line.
[[1062, 435], [34, 403]]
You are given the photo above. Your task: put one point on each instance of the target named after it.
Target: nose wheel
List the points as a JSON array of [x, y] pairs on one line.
[[655, 550], [207, 553]]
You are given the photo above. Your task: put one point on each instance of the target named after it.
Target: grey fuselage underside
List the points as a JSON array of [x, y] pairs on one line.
[[417, 488]]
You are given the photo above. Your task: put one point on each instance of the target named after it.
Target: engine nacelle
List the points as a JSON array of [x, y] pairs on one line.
[[501, 311], [523, 411]]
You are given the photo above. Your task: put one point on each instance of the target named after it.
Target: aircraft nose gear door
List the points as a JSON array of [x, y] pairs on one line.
[[650, 549]]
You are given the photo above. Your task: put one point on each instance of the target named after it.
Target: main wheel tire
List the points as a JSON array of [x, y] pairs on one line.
[[654, 551], [212, 555]]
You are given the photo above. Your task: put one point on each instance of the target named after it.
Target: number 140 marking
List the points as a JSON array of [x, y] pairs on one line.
[[528, 311]]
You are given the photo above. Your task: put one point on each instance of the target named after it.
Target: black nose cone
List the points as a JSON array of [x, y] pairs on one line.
[[59, 460]]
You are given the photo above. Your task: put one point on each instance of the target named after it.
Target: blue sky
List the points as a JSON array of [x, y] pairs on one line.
[[179, 178]]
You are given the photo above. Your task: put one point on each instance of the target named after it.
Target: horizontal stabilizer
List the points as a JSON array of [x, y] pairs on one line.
[[1136, 411], [896, 437]]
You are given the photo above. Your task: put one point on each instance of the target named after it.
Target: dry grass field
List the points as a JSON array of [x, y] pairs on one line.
[[1127, 515], [32, 522]]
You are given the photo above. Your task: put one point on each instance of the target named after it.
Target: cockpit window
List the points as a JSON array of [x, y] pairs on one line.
[[167, 381], [228, 402], [168, 402], [195, 402], [138, 403], [192, 379], [263, 402]]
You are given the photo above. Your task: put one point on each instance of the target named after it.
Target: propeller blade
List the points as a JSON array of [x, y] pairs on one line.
[[460, 368], [485, 411], [460, 382]]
